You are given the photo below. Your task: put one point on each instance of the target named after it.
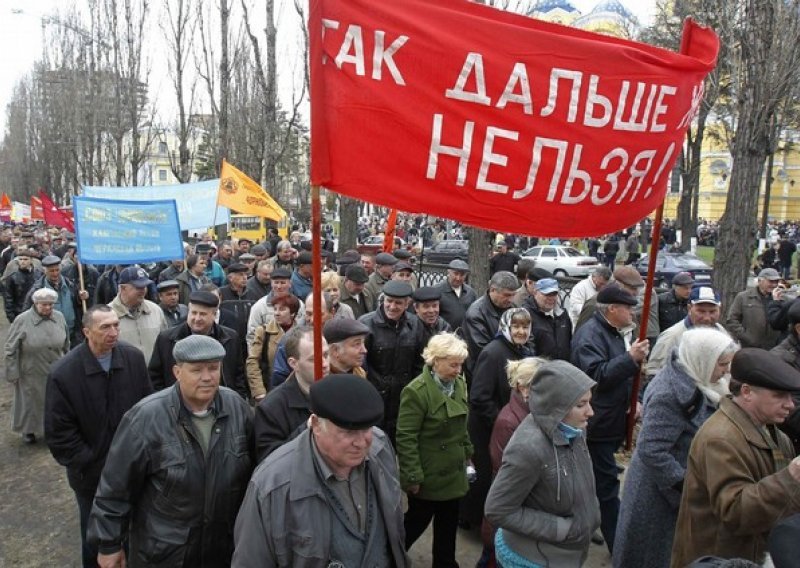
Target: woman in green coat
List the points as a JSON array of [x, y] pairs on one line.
[[433, 446]]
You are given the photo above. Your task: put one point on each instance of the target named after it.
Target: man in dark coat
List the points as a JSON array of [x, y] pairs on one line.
[[503, 260], [202, 312], [457, 295], [177, 470], [18, 284], [673, 305], [426, 307], [601, 349], [482, 319], [284, 412], [394, 348], [168, 297], [789, 351], [354, 293], [260, 284], [88, 391], [551, 328]]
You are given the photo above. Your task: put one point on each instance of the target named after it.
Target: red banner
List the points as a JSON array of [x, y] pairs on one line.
[[53, 215], [36, 209], [495, 119], [388, 233]]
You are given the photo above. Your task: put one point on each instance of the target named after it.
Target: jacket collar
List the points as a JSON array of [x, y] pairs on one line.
[[438, 398], [737, 415], [90, 364], [180, 410]]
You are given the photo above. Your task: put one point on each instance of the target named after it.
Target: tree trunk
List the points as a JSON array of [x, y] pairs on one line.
[[348, 223], [224, 83], [480, 247]]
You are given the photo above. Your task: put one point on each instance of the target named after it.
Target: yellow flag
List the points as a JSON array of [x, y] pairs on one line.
[[243, 195]]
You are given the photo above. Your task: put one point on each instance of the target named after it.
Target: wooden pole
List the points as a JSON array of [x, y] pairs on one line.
[[80, 279], [316, 293]]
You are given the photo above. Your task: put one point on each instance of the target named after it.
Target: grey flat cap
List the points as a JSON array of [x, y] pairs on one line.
[[196, 348], [458, 264], [51, 260]]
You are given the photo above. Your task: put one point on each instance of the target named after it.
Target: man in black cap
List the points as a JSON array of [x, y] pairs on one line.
[[262, 311], [347, 343], [457, 295], [331, 496], [740, 476], [236, 299], [177, 470], [673, 305], [168, 297], [384, 267], [394, 348], [354, 293], [345, 259], [69, 297], [426, 306], [302, 283], [503, 260], [604, 349], [203, 307], [242, 247]]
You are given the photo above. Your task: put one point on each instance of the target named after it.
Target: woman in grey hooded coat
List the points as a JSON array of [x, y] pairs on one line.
[[682, 396], [543, 499]]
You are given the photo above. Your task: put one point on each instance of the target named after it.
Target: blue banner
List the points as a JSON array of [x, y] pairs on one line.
[[126, 232], [196, 201]]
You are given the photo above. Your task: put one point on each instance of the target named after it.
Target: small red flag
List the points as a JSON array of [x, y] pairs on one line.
[[53, 215], [5, 202], [388, 234]]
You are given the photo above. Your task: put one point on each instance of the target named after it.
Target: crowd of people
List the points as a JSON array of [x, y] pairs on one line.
[[182, 400]]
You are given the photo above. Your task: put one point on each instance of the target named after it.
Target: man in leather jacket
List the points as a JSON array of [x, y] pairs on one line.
[[177, 469]]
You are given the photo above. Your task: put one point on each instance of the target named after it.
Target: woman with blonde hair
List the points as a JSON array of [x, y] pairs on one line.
[[433, 447], [681, 397], [330, 282]]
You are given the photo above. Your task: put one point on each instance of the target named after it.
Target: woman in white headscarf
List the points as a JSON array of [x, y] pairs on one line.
[[682, 396]]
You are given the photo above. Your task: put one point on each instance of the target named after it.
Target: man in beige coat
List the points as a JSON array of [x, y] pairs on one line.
[[741, 478], [140, 320]]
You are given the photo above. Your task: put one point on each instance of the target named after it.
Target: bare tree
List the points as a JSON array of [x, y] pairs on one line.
[[766, 60]]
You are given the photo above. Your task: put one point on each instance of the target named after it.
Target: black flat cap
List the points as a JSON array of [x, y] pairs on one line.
[[204, 298], [536, 273], [397, 289], [401, 254], [356, 273], [196, 348], [348, 401], [348, 257], [167, 284], [402, 266], [613, 294], [764, 369], [427, 294], [237, 267], [339, 329], [51, 260], [385, 258], [304, 258], [279, 273]]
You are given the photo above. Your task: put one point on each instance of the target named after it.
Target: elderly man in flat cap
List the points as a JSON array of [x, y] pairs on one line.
[[394, 348], [741, 478], [747, 318], [384, 268], [604, 349], [169, 301], [353, 291], [347, 343], [426, 305], [457, 295], [203, 308], [331, 496], [177, 470]]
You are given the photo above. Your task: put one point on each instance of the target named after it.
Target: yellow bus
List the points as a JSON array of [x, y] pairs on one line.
[[255, 228]]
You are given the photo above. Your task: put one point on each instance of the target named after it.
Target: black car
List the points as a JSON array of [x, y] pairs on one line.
[[668, 264], [445, 251]]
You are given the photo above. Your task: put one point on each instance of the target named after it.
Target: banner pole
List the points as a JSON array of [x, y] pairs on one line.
[[80, 279], [316, 292]]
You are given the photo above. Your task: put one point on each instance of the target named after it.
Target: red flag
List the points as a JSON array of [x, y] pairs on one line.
[[53, 215], [5, 201], [36, 209], [495, 119], [388, 234]]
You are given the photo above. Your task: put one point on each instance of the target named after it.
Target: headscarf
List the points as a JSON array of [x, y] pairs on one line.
[[505, 322], [697, 354]]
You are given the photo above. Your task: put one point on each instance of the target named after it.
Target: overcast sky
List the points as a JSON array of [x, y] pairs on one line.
[[21, 39]]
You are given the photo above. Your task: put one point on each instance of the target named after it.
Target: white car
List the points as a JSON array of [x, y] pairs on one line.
[[562, 260]]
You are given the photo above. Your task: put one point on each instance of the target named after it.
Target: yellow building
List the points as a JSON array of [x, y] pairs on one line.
[[609, 17]]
